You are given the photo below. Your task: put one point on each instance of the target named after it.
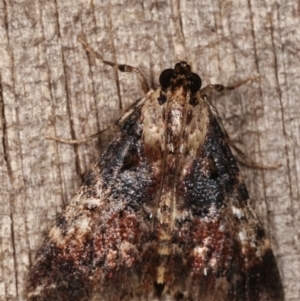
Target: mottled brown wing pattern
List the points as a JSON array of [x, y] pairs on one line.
[[164, 214]]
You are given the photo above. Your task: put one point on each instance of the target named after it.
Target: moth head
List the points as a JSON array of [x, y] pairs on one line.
[[180, 75]]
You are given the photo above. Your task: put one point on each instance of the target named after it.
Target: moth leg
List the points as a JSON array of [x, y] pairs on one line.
[[243, 159], [78, 141], [122, 68], [221, 88]]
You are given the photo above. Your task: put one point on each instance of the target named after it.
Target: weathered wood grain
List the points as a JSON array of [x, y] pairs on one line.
[[50, 86]]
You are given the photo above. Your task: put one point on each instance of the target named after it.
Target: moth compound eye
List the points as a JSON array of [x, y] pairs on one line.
[[165, 77], [195, 82]]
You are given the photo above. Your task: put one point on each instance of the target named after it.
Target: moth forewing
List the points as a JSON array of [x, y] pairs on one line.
[[163, 215]]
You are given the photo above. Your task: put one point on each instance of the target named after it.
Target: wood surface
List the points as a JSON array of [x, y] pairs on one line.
[[50, 86]]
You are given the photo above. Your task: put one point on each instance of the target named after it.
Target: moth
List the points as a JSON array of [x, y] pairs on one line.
[[163, 215]]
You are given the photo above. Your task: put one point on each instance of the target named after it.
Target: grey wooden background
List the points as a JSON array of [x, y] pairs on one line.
[[50, 86]]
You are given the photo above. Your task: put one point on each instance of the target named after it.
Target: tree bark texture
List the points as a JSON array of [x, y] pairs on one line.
[[50, 86]]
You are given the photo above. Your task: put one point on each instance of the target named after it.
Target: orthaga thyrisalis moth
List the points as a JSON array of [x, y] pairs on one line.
[[163, 215]]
